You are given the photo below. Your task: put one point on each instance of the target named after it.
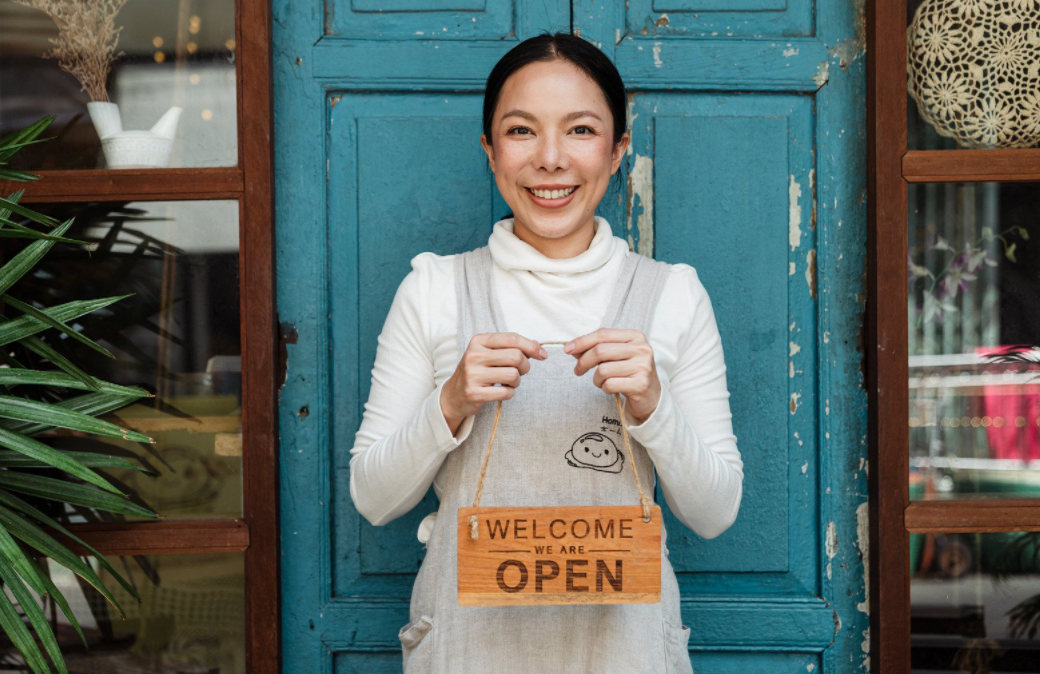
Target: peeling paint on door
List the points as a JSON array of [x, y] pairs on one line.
[[641, 196], [794, 221]]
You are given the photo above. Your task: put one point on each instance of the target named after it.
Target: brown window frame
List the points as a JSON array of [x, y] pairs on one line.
[[890, 168], [250, 183]]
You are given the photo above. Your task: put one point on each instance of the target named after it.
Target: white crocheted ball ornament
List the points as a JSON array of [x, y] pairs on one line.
[[973, 67]]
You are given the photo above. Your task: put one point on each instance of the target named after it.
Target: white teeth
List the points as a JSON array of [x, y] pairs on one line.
[[553, 194]]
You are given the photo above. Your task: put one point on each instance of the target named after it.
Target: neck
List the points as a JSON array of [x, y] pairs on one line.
[[558, 248]]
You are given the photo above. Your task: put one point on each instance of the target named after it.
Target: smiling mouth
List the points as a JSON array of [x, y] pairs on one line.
[[553, 194]]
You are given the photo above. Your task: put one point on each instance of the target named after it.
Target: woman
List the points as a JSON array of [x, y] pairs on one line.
[[463, 331]]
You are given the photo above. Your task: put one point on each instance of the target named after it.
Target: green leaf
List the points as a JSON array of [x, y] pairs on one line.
[[31, 214], [70, 492], [12, 501], [26, 259], [14, 197], [94, 404], [39, 539], [20, 176], [1009, 253], [15, 567], [19, 635], [17, 376], [41, 452], [13, 459], [12, 150], [23, 409], [16, 230], [11, 143], [34, 614], [14, 329], [59, 599], [57, 325], [10, 551], [42, 348], [28, 133]]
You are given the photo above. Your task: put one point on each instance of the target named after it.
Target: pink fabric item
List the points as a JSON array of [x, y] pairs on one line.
[[1011, 402]]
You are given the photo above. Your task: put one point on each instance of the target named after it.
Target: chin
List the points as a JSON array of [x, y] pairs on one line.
[[552, 230]]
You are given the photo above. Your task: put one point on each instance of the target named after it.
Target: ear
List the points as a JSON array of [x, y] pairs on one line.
[[489, 150], [619, 152]]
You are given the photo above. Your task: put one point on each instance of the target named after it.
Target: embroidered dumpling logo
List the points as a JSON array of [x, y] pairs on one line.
[[595, 451]]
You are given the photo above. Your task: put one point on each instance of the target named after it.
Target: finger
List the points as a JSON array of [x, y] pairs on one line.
[[604, 352], [507, 376], [583, 343], [506, 357], [512, 340], [625, 385], [617, 368]]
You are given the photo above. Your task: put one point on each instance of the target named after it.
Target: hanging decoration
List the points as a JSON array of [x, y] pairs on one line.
[[973, 68]]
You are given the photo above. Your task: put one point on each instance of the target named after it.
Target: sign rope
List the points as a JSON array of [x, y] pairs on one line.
[[644, 500]]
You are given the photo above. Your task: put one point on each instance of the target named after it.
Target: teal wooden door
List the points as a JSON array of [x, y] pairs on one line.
[[746, 162]]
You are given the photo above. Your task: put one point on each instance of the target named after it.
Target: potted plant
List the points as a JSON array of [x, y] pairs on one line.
[[86, 48], [26, 530]]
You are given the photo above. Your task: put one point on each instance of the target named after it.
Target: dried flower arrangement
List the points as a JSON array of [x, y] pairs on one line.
[[87, 39]]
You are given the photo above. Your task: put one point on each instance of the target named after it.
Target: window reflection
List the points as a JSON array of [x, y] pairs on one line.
[[191, 618], [974, 340], [975, 602], [176, 53], [176, 336]]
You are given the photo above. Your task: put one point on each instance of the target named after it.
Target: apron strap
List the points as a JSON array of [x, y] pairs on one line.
[[644, 500]]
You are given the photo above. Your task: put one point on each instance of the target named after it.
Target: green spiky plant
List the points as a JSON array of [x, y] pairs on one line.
[[23, 536]]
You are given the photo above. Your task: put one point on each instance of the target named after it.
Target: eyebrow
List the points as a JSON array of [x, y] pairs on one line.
[[570, 116]]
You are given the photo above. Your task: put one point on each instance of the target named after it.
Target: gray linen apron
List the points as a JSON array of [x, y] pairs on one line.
[[539, 459]]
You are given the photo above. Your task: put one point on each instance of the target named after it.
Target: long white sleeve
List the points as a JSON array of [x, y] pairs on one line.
[[689, 435], [403, 438]]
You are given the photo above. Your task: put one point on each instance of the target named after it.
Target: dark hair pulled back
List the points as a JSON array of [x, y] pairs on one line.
[[560, 46]]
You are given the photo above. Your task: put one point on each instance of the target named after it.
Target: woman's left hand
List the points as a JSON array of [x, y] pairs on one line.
[[624, 363]]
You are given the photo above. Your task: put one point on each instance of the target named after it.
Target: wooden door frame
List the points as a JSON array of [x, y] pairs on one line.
[[251, 184], [890, 168]]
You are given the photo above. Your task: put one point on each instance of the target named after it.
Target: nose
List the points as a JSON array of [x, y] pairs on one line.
[[552, 154]]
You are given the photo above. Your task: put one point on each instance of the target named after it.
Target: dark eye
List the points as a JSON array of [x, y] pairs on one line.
[[517, 128], [584, 127], [606, 451], [586, 449]]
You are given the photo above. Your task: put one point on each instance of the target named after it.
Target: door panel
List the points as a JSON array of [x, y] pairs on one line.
[[719, 18], [385, 206], [723, 169], [745, 162]]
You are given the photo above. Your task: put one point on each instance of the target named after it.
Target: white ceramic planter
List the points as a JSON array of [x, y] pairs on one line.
[[133, 149]]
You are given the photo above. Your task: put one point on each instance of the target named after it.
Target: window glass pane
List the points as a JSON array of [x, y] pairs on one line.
[[973, 74], [191, 617], [974, 340], [176, 336], [176, 53], [975, 602]]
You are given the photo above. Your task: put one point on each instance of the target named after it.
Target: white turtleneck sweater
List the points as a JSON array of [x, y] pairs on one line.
[[404, 439]]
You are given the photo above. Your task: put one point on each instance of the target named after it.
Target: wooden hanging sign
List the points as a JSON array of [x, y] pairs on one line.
[[559, 555]]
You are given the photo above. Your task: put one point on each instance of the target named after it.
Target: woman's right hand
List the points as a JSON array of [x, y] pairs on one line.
[[490, 358]]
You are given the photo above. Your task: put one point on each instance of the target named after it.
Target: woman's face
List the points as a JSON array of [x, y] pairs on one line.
[[553, 132]]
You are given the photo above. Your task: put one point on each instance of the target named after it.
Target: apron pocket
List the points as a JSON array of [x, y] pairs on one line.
[[677, 650], [411, 636]]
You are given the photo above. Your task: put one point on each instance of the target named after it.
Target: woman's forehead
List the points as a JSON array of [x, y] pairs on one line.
[[551, 88]]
